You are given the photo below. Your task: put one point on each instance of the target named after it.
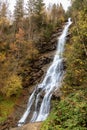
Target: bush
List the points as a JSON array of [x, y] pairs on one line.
[[69, 114], [13, 86]]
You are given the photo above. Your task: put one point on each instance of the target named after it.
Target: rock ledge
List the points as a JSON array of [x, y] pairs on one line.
[[30, 126]]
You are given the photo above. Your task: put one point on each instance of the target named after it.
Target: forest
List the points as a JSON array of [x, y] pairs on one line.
[[24, 39]]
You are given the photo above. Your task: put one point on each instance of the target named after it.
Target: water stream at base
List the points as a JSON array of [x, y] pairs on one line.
[[42, 94]]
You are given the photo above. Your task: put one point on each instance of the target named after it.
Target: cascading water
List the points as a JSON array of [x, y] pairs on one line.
[[51, 82]]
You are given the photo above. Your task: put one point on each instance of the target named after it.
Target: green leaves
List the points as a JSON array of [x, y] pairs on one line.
[[70, 113]]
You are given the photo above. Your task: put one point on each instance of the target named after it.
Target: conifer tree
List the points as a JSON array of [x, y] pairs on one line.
[[3, 11], [36, 17], [19, 13], [39, 12]]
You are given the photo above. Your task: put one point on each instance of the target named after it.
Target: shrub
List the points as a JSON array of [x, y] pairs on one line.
[[13, 86], [69, 114]]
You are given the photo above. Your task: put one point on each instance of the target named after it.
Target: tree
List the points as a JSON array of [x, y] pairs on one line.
[[54, 14], [3, 15], [61, 13], [39, 13], [36, 17], [3, 11], [57, 14], [30, 7], [30, 14], [19, 13]]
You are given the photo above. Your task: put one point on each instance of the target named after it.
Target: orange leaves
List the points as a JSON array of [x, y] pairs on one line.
[[13, 47], [20, 35]]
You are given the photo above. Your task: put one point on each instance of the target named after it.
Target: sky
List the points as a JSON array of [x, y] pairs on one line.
[[65, 3]]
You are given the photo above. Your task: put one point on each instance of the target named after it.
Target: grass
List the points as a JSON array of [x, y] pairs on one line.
[[6, 107]]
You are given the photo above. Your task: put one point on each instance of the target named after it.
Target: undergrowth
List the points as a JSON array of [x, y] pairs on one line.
[[69, 114], [6, 107]]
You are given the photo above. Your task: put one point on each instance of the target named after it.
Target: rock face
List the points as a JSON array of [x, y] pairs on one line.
[[56, 95], [36, 67], [30, 126], [50, 45]]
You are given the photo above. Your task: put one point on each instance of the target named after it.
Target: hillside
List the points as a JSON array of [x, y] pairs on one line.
[[27, 48]]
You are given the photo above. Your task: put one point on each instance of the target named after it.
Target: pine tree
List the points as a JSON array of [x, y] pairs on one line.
[[54, 14], [30, 7], [19, 13], [4, 22], [30, 14], [40, 13], [36, 17], [3, 11]]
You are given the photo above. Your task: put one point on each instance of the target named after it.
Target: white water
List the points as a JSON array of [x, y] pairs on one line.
[[51, 82]]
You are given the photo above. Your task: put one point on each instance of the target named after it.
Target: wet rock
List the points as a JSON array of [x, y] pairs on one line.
[[51, 44], [64, 64], [55, 35], [37, 91], [54, 41], [45, 60], [68, 37], [56, 95], [69, 34], [42, 94]]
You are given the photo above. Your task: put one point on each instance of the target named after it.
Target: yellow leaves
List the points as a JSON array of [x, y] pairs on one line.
[[80, 80], [2, 57], [80, 62], [4, 21], [77, 71], [32, 52], [13, 86]]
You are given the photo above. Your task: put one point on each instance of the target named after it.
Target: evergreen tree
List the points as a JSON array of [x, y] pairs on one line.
[[19, 13], [39, 13], [3, 11], [30, 13], [57, 14], [36, 17], [30, 7], [54, 14], [4, 23]]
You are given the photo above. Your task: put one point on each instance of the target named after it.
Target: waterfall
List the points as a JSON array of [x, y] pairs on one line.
[[52, 81]]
